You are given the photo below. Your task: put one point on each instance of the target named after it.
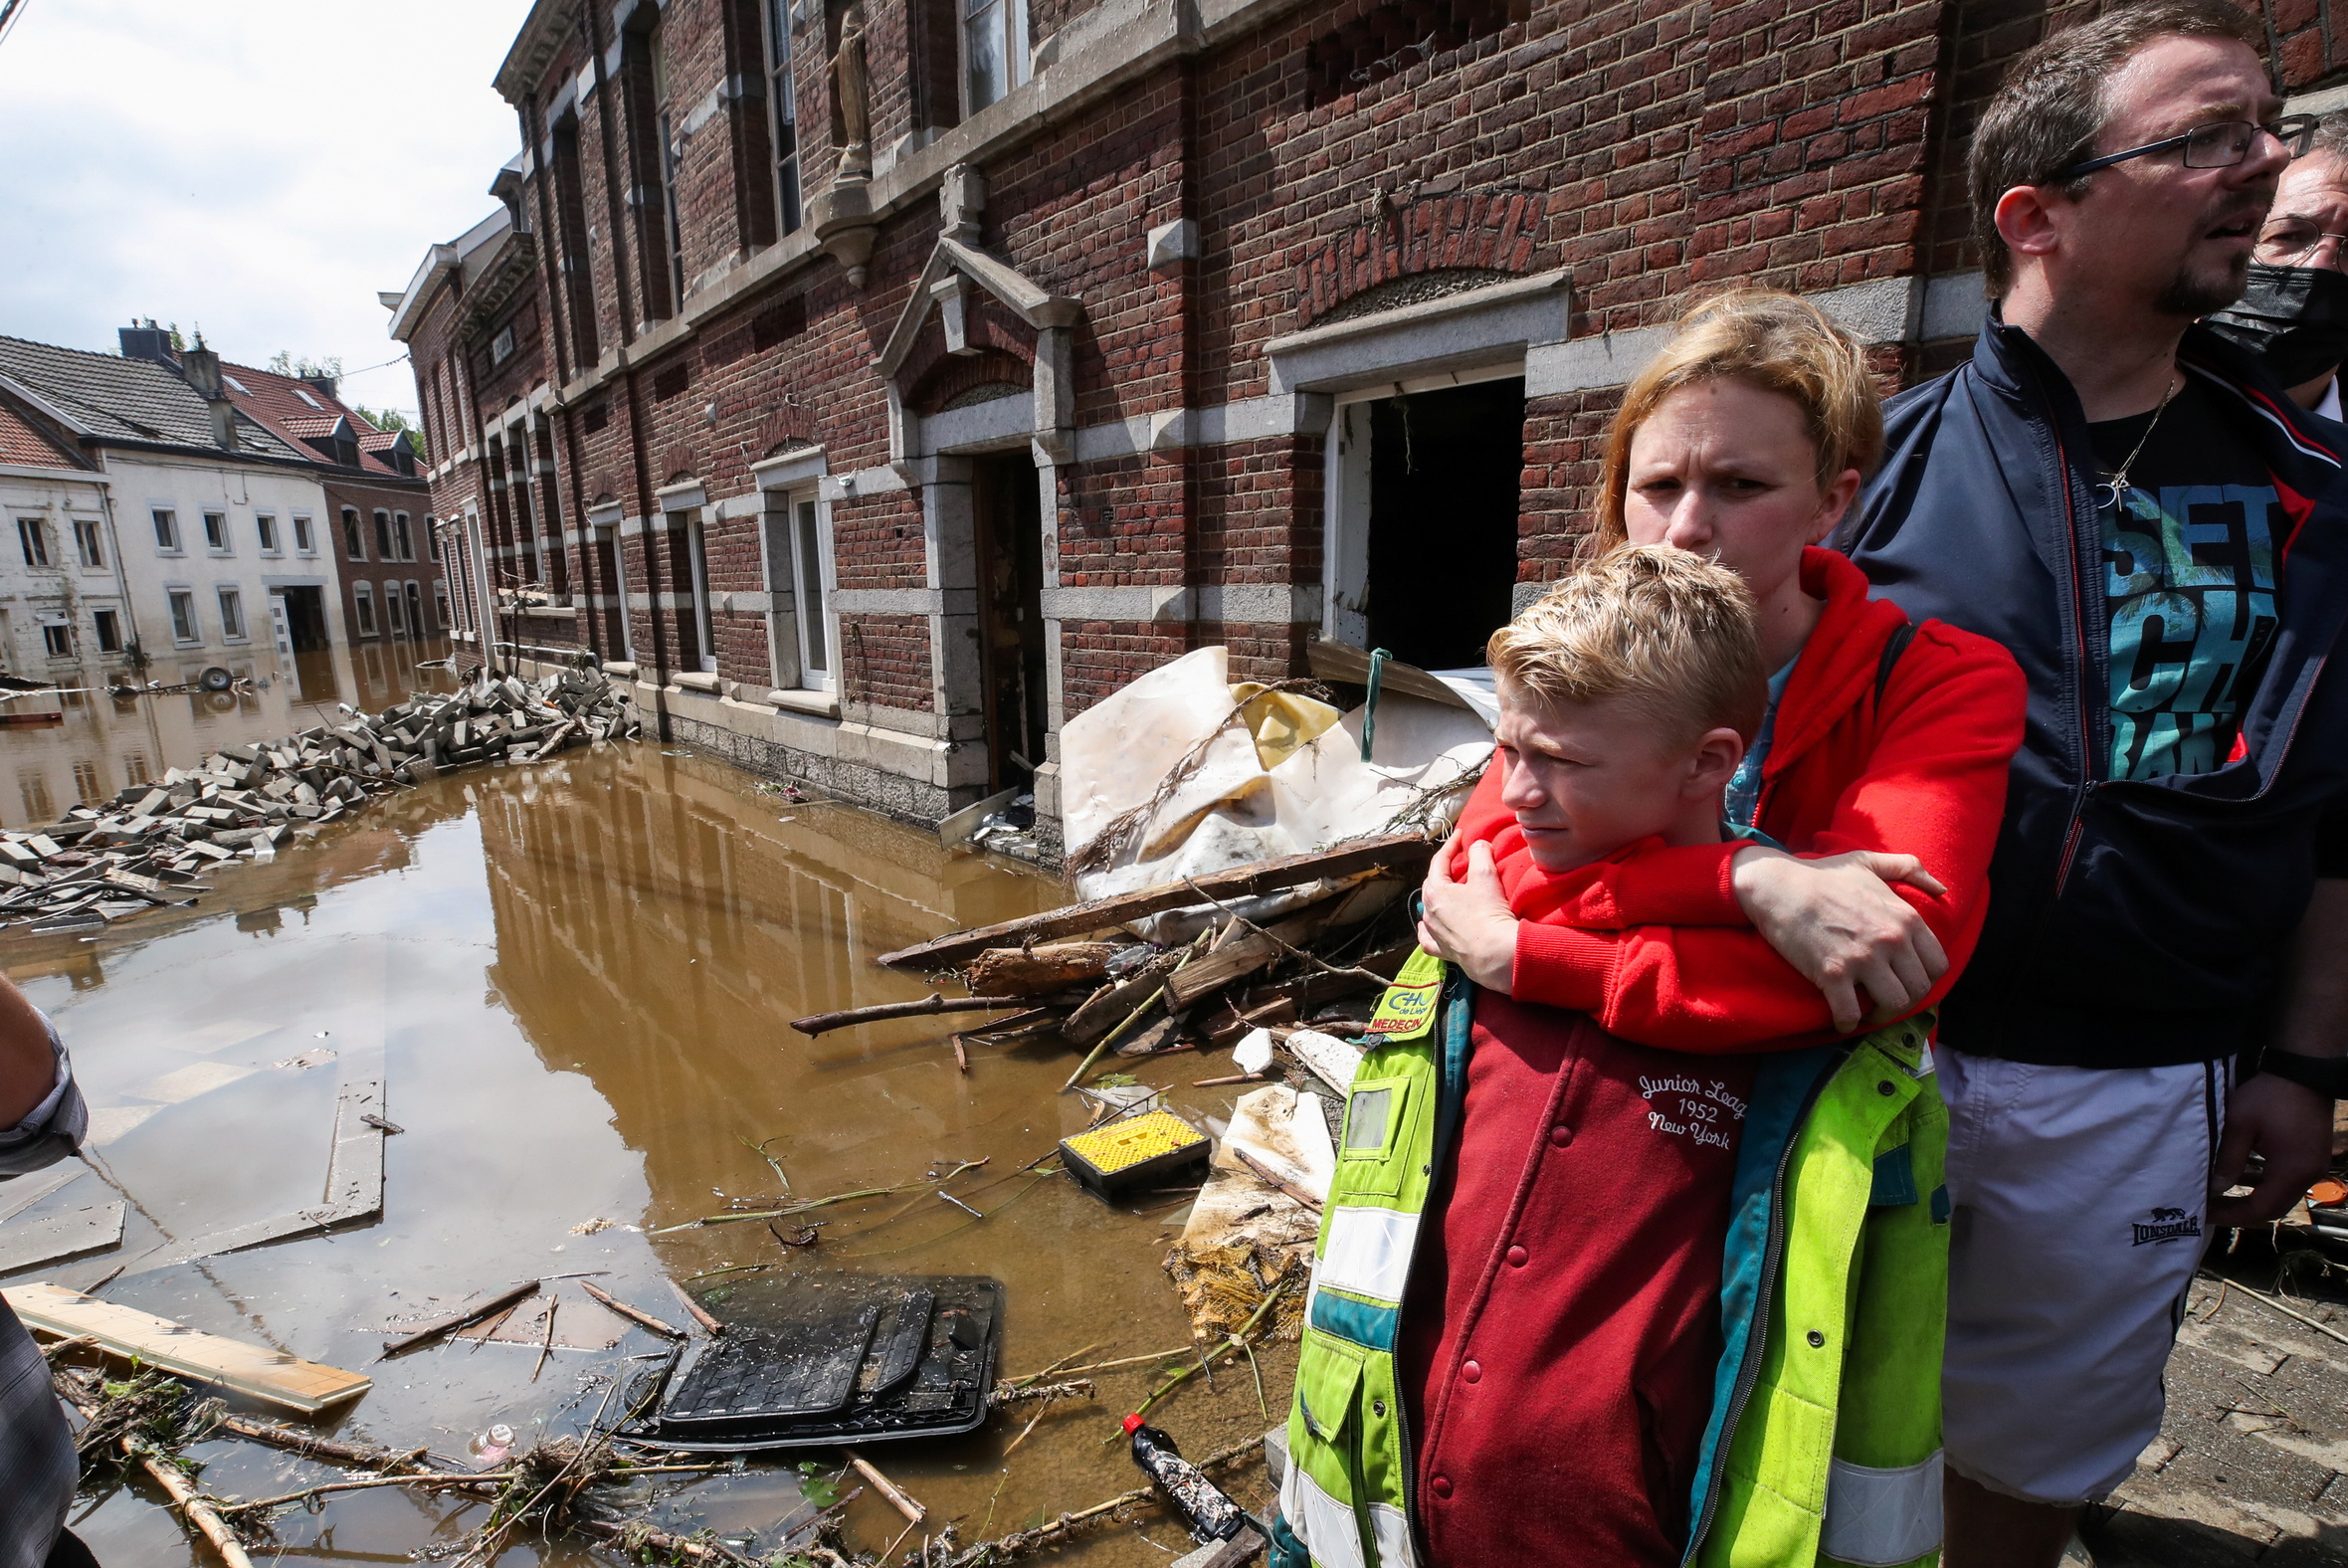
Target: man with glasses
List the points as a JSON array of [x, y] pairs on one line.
[[2135, 508], [2293, 312]]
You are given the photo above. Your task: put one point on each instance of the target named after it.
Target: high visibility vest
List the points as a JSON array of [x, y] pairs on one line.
[[1824, 1445]]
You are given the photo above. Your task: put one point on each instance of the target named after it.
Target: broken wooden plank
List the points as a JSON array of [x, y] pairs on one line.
[[1025, 972], [355, 1183], [1395, 855], [56, 1237], [632, 1314], [452, 1321], [271, 1375]]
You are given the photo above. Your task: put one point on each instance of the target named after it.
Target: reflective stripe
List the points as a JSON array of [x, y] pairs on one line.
[[1321, 1522], [1368, 1251], [1879, 1517], [1392, 1532]]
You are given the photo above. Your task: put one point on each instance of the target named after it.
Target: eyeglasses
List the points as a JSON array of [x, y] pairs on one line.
[[2293, 240], [2213, 146]]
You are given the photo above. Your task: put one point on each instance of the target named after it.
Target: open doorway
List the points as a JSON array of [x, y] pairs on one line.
[[306, 617], [1425, 547], [1007, 508]]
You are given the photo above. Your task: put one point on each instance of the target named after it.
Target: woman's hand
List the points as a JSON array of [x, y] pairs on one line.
[[1469, 922], [1838, 922]]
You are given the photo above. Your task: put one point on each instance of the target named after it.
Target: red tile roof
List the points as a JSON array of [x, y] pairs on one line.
[[21, 443], [298, 412]]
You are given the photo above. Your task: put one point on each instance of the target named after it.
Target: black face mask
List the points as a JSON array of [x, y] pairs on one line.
[[2293, 317]]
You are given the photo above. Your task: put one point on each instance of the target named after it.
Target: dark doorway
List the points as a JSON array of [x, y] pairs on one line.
[[1009, 514], [306, 617], [1445, 469]]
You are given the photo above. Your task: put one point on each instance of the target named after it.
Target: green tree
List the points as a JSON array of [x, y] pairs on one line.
[[285, 364]]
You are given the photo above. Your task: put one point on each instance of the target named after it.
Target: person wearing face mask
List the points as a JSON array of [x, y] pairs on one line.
[[2293, 312]]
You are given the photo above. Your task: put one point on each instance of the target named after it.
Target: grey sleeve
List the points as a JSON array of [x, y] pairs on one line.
[[54, 1129]]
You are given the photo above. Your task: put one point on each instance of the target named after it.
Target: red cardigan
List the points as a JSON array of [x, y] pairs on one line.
[[1655, 947]]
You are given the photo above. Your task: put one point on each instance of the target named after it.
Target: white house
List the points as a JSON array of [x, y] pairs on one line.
[[215, 515], [62, 604]]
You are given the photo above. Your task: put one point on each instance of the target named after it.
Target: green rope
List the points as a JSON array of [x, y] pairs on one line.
[[1369, 709]]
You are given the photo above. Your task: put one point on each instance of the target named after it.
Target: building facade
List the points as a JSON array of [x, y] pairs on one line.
[[63, 606], [218, 523], [881, 386]]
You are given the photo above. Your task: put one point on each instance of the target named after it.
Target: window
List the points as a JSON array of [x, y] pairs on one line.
[[355, 541], [785, 104], [440, 598], [216, 532], [502, 345], [814, 657], [393, 621], [88, 786], [90, 541], [33, 535], [401, 537], [110, 630], [56, 639], [134, 766], [993, 50], [166, 530], [432, 538], [232, 614], [183, 616], [383, 535], [363, 601], [34, 790], [303, 541], [266, 526]]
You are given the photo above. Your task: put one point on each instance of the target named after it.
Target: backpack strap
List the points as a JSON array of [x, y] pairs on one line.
[[1893, 645]]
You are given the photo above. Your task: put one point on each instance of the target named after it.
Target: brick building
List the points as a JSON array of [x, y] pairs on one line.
[[881, 384], [377, 517]]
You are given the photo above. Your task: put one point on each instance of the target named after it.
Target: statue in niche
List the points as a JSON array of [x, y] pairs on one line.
[[851, 93]]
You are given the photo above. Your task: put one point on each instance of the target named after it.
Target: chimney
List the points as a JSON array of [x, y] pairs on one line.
[[323, 386], [148, 341], [200, 367]]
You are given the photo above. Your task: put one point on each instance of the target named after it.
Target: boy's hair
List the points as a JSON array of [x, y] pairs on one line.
[[2052, 104], [1772, 342], [1672, 632]]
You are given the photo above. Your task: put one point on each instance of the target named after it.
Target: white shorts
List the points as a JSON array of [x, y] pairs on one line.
[[2077, 1203]]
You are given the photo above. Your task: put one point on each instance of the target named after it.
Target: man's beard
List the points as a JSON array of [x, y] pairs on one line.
[[2191, 298]]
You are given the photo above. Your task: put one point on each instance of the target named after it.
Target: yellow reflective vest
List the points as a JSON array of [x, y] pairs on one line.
[[1824, 1445]]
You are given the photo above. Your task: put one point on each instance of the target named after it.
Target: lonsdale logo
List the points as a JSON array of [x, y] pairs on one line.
[[2168, 1225]]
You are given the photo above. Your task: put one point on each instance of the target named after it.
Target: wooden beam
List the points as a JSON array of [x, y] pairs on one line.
[[448, 1322], [1393, 855], [125, 1331]]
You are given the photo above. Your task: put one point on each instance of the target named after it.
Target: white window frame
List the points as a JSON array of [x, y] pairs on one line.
[[264, 529], [1010, 23], [89, 543], [50, 638], [306, 534], [395, 614], [166, 520], [696, 552], [176, 599], [440, 600], [229, 598], [807, 536], [32, 541], [354, 534], [362, 599], [227, 535]]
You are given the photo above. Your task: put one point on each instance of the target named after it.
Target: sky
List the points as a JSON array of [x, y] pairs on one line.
[[260, 167]]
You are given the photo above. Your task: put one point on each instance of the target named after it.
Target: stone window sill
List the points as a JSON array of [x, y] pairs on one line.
[[699, 681], [821, 705]]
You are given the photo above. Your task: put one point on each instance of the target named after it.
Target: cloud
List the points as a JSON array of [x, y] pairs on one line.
[[262, 167]]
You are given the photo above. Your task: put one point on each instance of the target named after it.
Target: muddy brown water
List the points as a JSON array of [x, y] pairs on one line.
[[575, 979]]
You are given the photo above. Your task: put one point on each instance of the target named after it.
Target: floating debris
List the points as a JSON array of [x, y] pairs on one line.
[[148, 847]]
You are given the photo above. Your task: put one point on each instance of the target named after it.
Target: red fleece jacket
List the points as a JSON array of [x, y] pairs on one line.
[[1654, 946]]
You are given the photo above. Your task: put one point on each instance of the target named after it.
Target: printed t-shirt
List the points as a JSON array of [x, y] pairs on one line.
[[2189, 583], [1744, 786]]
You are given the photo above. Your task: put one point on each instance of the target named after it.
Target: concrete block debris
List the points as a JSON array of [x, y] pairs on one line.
[[149, 845]]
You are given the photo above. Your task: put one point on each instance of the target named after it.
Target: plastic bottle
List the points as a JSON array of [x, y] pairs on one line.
[[1206, 1509]]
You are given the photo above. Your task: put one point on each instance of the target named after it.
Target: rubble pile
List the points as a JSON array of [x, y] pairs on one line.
[[150, 845]]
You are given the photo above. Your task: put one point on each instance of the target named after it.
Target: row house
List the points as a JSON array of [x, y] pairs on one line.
[[62, 592], [207, 525], [880, 382]]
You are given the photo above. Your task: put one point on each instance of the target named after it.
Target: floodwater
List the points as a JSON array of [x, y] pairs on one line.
[[575, 980]]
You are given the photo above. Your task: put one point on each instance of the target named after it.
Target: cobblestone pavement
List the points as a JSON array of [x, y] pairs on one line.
[[2252, 1464]]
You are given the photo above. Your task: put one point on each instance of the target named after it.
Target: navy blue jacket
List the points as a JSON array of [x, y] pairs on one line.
[[2133, 922]]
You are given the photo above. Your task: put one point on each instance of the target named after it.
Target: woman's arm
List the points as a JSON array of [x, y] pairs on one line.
[[1670, 955]]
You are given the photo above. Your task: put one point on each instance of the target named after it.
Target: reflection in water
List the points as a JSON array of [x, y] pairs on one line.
[[107, 743], [576, 979]]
